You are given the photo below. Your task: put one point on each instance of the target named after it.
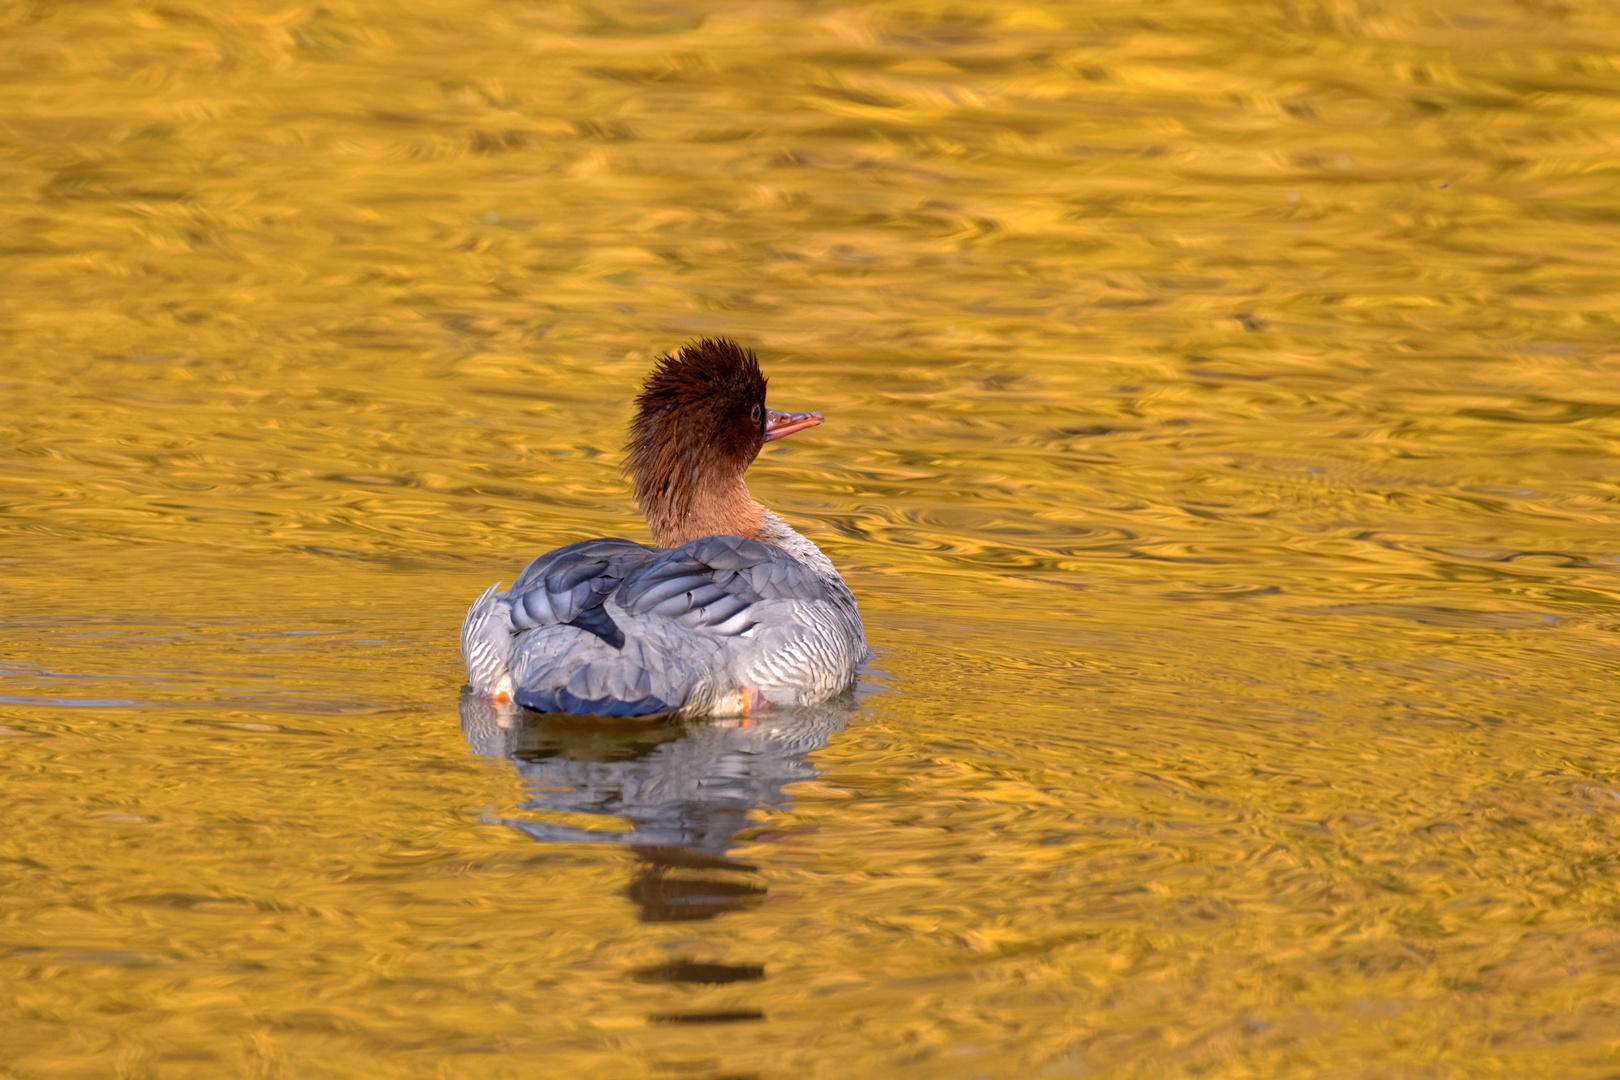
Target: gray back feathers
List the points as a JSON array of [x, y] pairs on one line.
[[616, 628]]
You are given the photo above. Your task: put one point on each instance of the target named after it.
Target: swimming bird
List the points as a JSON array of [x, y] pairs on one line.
[[731, 611]]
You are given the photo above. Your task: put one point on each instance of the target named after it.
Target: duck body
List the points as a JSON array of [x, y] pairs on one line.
[[703, 624], [715, 627]]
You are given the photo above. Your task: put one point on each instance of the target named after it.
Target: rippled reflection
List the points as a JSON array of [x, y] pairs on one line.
[[685, 789]]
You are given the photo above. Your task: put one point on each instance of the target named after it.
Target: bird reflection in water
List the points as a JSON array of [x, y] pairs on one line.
[[685, 787]]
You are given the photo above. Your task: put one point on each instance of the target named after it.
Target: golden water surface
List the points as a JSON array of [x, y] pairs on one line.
[[1222, 412]]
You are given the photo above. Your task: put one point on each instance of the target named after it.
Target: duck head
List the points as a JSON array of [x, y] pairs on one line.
[[700, 422]]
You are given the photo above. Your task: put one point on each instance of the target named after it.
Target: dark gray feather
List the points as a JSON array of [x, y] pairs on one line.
[[709, 581], [563, 587]]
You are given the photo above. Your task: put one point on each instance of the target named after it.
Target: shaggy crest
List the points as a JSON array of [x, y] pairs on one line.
[[699, 423]]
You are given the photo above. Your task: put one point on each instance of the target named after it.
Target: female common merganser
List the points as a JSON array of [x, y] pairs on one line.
[[731, 611]]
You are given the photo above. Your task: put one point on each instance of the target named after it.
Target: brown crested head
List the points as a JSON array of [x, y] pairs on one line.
[[700, 422]]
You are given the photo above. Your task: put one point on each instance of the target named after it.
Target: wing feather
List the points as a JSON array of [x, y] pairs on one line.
[[621, 629], [710, 583], [567, 587]]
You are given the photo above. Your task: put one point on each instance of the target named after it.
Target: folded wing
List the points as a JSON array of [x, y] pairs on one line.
[[712, 584], [614, 628]]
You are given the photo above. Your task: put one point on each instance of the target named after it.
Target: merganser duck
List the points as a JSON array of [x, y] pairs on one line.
[[732, 611]]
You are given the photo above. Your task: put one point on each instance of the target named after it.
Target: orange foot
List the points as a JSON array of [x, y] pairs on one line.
[[741, 703]]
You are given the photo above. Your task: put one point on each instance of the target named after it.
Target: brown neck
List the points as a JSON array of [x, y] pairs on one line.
[[722, 507]]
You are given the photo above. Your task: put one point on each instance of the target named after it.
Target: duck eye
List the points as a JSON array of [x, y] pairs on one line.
[[755, 414]]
